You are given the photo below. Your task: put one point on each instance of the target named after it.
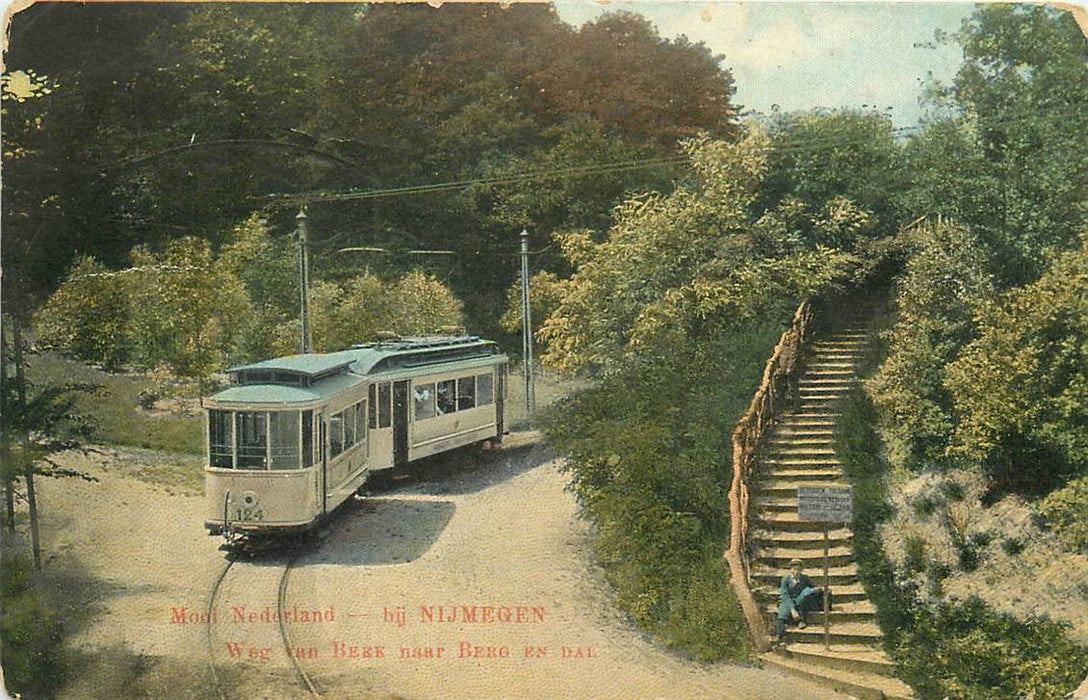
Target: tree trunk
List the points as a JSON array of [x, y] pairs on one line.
[[28, 466], [5, 434]]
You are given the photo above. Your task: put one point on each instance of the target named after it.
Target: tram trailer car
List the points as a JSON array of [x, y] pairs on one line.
[[294, 437]]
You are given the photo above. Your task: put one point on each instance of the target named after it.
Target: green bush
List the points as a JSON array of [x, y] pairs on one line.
[[950, 650], [30, 634], [1065, 513], [967, 651], [649, 460]]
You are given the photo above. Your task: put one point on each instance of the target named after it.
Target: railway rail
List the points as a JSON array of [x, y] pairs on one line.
[[305, 679]]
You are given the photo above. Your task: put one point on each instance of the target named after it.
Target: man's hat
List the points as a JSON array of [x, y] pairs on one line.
[[796, 563]]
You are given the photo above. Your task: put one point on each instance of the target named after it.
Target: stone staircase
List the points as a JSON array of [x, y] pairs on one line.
[[800, 452]]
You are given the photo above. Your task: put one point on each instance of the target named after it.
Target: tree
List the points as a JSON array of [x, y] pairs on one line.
[[1025, 102], [675, 265], [88, 317], [946, 277], [822, 155], [1020, 389]]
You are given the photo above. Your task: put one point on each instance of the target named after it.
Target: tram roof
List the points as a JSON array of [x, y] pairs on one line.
[[364, 359], [283, 394]]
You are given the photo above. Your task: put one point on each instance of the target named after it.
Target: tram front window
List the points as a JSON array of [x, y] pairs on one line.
[[221, 449], [251, 433], [285, 440]]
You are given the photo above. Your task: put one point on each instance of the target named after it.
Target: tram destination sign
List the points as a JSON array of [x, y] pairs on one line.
[[825, 504]]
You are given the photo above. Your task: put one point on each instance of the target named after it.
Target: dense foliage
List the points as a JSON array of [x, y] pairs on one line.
[[959, 649], [173, 121], [965, 650], [675, 267], [194, 312]]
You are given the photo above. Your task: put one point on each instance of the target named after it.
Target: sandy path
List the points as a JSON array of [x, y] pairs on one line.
[[504, 536]]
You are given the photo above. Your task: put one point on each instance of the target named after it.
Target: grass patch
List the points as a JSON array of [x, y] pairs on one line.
[[115, 410]]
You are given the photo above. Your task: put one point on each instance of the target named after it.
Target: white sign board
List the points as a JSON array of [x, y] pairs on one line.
[[825, 504]]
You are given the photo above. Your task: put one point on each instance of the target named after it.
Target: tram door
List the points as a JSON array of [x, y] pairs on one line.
[[324, 464], [400, 423]]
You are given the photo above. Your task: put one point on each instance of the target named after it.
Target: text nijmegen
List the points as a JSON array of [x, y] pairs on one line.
[[485, 614]]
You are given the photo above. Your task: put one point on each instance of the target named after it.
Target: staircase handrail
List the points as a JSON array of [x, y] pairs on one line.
[[779, 375]]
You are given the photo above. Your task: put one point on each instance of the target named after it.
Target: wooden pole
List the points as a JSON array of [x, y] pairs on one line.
[[827, 588]]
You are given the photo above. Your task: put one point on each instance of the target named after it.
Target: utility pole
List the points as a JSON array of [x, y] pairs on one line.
[[306, 342], [527, 328]]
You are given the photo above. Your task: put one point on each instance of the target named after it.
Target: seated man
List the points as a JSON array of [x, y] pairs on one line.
[[795, 596]]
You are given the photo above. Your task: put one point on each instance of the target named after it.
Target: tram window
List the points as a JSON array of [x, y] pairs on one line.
[[221, 449], [385, 400], [373, 408], [307, 438], [336, 435], [349, 426], [423, 402], [484, 390], [251, 433], [360, 423], [447, 397], [466, 393], [284, 439]]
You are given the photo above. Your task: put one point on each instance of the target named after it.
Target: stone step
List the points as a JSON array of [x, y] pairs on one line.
[[802, 540], [842, 376], [847, 358], [801, 461], [814, 434], [827, 386], [800, 441], [840, 613], [800, 421], [839, 575], [842, 593], [786, 522], [780, 556], [858, 657], [791, 449], [823, 474], [775, 486], [828, 393], [846, 632], [856, 682]]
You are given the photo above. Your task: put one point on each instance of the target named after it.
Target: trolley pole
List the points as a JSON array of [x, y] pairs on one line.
[[527, 328], [306, 339]]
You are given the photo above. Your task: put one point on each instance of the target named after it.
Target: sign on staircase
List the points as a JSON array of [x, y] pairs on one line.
[[825, 504]]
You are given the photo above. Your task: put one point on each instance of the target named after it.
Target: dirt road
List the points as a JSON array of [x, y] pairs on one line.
[[472, 581]]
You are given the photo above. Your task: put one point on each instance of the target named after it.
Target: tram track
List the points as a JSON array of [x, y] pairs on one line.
[[281, 604], [310, 685]]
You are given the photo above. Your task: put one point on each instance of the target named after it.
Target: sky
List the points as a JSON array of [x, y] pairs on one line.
[[804, 55]]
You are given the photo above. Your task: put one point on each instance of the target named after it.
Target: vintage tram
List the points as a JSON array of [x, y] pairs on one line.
[[294, 437]]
